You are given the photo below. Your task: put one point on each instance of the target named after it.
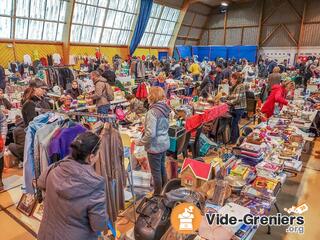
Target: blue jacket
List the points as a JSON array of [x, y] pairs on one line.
[[156, 126], [28, 158]]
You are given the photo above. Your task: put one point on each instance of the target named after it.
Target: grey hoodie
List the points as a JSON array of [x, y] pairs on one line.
[[74, 205], [156, 126]]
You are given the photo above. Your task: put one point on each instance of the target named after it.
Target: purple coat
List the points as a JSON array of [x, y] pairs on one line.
[[60, 144], [74, 205]]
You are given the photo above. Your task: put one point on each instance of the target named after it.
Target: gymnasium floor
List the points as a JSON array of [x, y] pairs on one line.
[[303, 188]]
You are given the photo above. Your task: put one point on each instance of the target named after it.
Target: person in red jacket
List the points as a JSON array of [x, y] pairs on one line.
[[277, 96]]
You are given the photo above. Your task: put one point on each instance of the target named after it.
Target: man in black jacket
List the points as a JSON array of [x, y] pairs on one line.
[[219, 76]]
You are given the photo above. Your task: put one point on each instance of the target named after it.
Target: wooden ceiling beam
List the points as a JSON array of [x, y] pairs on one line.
[[289, 34], [184, 9], [295, 10], [273, 11], [260, 22], [301, 34], [225, 27], [271, 34]]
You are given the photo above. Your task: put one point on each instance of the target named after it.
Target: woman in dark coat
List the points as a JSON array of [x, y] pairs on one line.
[[74, 204], [33, 98], [19, 136]]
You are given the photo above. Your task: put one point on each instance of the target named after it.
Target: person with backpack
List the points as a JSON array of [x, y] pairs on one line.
[[103, 94]]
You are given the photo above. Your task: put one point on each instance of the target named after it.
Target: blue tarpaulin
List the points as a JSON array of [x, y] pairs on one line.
[[214, 52], [234, 52], [248, 52], [184, 51], [218, 52], [162, 55], [201, 51]]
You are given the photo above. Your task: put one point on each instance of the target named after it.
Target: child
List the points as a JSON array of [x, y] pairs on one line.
[[66, 102]]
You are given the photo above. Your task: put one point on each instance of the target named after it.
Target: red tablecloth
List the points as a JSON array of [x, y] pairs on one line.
[[209, 115]]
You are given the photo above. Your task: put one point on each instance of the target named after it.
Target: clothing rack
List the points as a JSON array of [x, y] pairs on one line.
[[64, 66], [81, 114]]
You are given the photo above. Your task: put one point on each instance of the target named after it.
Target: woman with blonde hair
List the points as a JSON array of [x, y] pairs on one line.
[[156, 138], [274, 78]]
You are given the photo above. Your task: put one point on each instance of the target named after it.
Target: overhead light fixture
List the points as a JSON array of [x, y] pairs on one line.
[[225, 4]]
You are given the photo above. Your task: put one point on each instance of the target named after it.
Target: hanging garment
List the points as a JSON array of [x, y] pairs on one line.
[[110, 164], [50, 61], [27, 59], [133, 69], [21, 69], [140, 70], [60, 144], [98, 55], [142, 92], [2, 78], [44, 62], [56, 58], [41, 140], [72, 60], [28, 158], [13, 67]]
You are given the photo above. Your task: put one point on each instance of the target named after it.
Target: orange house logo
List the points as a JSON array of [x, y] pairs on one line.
[[186, 218]]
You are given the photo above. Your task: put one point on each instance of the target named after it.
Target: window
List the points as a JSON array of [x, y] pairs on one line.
[[160, 26], [103, 21], [6, 13], [40, 19], [188, 181]]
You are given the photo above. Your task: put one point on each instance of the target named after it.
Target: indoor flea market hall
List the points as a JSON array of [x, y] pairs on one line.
[[159, 119]]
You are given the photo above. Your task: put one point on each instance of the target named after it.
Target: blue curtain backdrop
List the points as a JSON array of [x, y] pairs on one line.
[[162, 55], [144, 14], [184, 51], [214, 52]]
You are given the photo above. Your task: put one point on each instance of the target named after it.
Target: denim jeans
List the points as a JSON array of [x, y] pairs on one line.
[[103, 109], [195, 78], [235, 132], [158, 171]]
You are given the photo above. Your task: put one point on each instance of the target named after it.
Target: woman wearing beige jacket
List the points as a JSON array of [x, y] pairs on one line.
[[103, 94]]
